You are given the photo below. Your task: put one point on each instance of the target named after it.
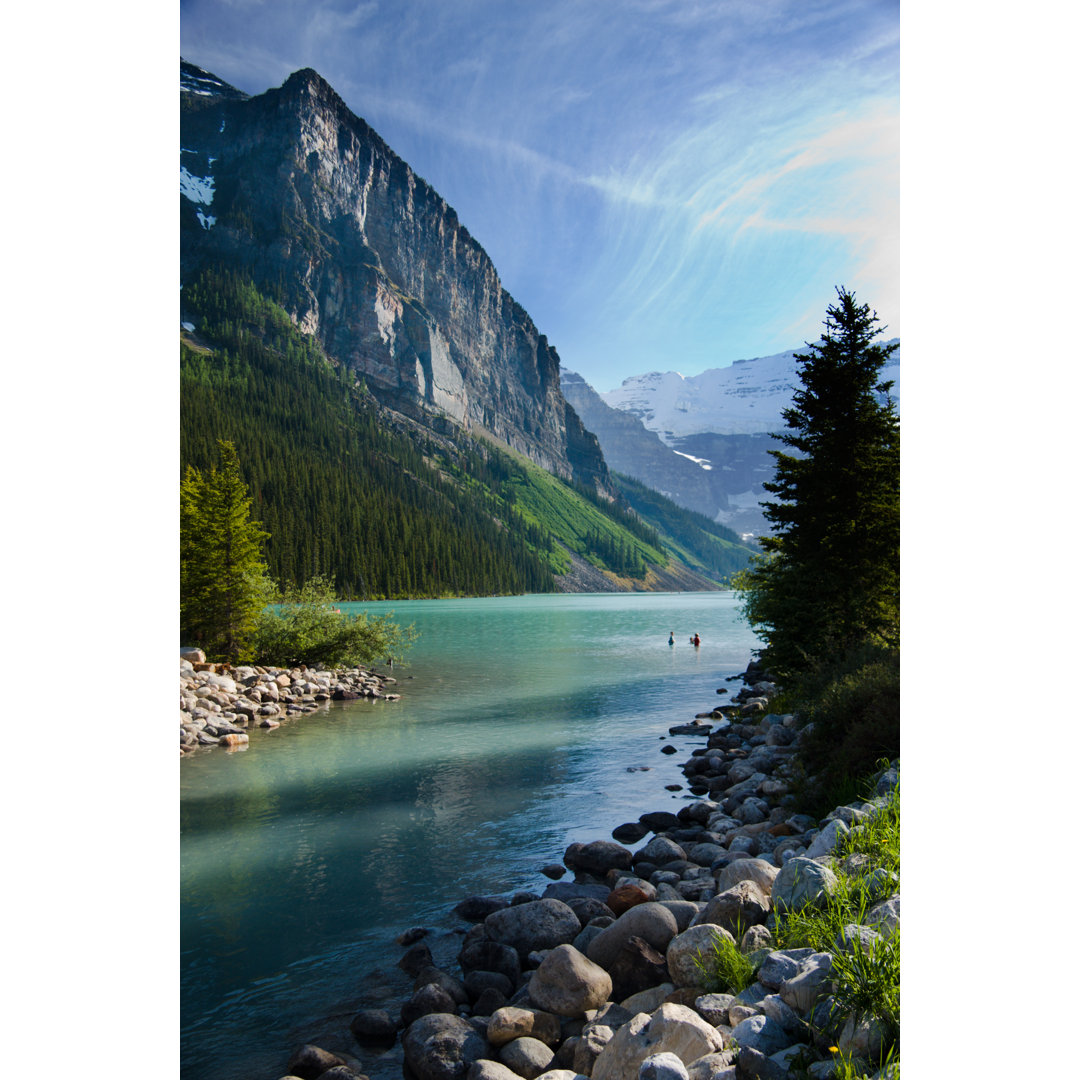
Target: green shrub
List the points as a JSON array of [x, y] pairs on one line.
[[854, 706], [306, 627]]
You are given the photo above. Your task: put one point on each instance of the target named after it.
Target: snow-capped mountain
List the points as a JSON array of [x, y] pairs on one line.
[[747, 398], [703, 441]]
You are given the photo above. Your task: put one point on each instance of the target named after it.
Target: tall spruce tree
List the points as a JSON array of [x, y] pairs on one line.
[[829, 580], [223, 582]]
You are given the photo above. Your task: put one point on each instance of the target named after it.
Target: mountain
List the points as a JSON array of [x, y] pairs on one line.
[[746, 398], [305, 198], [398, 416], [702, 441]]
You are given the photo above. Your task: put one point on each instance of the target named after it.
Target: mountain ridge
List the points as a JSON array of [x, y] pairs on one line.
[[297, 190]]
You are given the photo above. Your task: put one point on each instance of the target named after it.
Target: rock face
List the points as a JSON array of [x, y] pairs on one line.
[[295, 188]]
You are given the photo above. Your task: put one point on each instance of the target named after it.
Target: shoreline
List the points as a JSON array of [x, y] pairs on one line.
[[220, 704], [626, 923]]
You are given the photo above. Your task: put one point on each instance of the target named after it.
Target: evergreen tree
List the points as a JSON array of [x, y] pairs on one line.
[[829, 580], [223, 582]]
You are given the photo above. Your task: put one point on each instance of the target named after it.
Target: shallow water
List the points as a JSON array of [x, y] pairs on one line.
[[305, 855]]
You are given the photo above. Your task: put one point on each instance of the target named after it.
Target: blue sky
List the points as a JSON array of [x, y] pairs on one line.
[[662, 184]]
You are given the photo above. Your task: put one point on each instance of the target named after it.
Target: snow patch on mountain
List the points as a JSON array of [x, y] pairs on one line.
[[703, 462], [199, 189], [748, 397]]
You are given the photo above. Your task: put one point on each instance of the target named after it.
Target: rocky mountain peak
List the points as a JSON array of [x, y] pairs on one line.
[[294, 189]]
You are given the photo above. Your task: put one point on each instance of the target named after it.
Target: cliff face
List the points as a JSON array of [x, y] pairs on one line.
[[294, 189]]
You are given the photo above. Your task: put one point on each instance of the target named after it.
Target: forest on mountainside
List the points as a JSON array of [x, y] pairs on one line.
[[381, 506], [339, 491]]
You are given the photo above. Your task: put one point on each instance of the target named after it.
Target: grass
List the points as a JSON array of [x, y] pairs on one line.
[[724, 968], [866, 980]]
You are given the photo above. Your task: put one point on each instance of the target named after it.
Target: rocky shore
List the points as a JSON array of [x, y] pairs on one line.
[[599, 974], [220, 704]]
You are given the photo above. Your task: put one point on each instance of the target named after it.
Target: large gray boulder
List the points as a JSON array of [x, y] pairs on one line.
[[825, 842], [660, 850], [738, 908], [528, 1057], [568, 983], [687, 952], [441, 1046], [652, 922], [598, 857], [802, 882], [762, 1033], [512, 1022], [885, 917], [531, 927], [671, 1029], [810, 983], [763, 874], [665, 1066]]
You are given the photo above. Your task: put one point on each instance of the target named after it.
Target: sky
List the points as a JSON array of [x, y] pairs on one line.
[[662, 184]]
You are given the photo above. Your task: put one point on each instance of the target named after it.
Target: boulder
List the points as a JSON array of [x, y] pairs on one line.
[[568, 983], [738, 908], [756, 939], [540, 924], [477, 908], [512, 1022], [809, 984], [653, 922], [659, 850], [637, 967], [802, 882], [781, 965], [628, 895], [527, 1057], [685, 911], [485, 1069], [590, 1046], [664, 1066], [775, 1008], [687, 952], [671, 1029], [477, 982], [631, 832], [713, 1067], [442, 1047], [648, 1001], [374, 1027], [490, 956], [714, 1007], [659, 820], [597, 857], [761, 1033], [430, 998], [763, 875], [825, 842], [885, 917], [752, 1064], [310, 1062]]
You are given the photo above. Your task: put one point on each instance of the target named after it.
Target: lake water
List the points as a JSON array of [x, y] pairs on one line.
[[305, 855]]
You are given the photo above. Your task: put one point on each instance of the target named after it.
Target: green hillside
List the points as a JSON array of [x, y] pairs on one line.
[[701, 543]]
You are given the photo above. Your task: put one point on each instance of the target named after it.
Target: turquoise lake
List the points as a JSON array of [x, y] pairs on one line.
[[305, 855]]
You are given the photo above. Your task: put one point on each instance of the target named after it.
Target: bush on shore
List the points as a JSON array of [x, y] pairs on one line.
[[307, 627]]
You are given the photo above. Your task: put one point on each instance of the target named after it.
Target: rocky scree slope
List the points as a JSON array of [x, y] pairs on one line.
[[293, 189]]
